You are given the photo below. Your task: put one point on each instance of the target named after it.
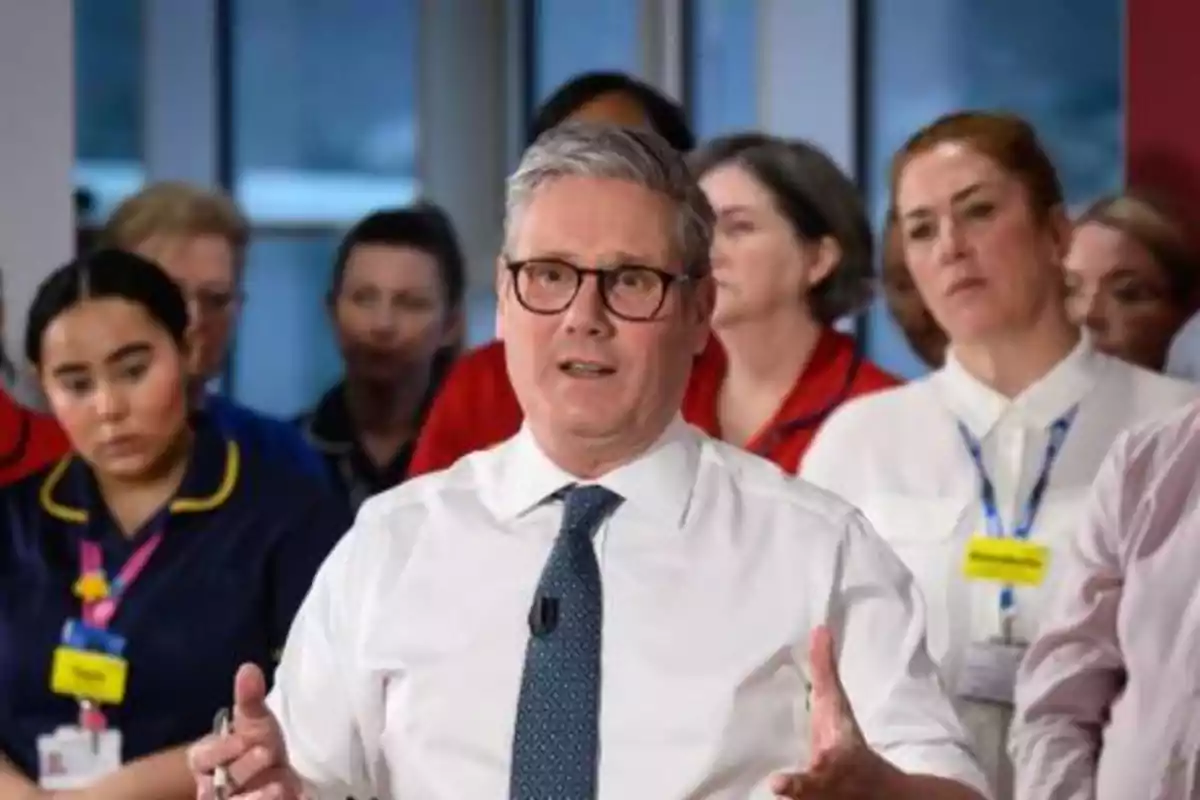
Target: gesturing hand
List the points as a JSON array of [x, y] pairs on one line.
[[842, 766], [253, 752]]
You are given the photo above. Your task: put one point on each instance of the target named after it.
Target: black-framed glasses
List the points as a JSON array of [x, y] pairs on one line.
[[631, 292]]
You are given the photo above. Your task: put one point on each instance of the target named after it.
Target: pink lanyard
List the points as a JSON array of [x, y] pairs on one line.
[[99, 611], [99, 608]]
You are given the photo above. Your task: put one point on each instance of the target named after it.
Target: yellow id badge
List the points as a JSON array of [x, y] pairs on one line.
[[1006, 560], [89, 676]]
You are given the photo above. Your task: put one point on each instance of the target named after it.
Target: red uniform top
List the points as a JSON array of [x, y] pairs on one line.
[[28, 441], [835, 373], [476, 407]]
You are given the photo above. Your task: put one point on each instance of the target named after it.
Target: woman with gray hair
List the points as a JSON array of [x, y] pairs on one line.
[[792, 255]]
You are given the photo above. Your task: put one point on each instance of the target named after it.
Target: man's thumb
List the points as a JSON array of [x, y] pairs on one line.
[[823, 664], [249, 695]]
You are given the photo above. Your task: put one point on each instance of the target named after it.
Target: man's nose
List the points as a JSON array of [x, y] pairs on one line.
[[587, 313]]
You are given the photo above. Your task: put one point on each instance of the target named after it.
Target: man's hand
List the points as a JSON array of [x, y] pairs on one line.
[[253, 752], [842, 766]]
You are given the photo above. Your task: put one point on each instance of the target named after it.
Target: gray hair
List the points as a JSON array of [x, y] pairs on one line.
[[580, 149]]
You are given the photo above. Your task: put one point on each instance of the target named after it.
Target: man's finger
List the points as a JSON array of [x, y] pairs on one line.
[[249, 695], [794, 786], [215, 751], [252, 769], [274, 784]]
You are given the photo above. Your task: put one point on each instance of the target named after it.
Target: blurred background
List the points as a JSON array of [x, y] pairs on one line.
[[313, 112]]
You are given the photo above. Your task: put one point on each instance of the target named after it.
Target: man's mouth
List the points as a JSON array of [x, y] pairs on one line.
[[585, 369]]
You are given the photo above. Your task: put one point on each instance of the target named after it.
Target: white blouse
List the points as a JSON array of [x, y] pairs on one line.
[[901, 457]]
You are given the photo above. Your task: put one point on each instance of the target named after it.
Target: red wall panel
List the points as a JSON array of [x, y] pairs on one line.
[[1162, 101]]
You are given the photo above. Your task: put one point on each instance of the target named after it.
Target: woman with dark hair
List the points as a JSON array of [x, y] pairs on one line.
[[137, 573], [476, 407], [618, 99], [396, 306], [792, 255]]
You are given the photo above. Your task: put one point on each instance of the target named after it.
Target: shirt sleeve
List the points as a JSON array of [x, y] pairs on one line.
[[1074, 670], [329, 706], [878, 621]]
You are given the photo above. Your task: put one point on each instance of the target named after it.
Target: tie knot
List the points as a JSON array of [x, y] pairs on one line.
[[586, 506]]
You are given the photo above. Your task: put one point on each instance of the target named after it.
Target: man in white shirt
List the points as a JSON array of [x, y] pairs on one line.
[[758, 639]]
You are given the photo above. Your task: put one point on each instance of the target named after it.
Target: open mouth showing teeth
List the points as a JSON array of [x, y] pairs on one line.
[[586, 369]]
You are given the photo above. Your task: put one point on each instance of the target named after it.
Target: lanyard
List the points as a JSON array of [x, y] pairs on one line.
[[987, 491], [101, 598]]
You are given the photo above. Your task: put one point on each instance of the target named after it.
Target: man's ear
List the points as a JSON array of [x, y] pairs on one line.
[[503, 295]]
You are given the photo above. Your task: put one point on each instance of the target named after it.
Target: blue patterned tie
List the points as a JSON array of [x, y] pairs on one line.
[[556, 742]]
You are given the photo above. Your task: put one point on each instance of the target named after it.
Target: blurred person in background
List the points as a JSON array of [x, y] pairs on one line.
[[396, 306], [199, 237], [29, 440], [1132, 278], [138, 572], [925, 337], [977, 473], [1106, 697], [476, 407], [792, 255]]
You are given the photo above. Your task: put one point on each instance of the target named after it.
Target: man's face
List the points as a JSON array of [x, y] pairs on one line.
[[597, 389], [205, 269]]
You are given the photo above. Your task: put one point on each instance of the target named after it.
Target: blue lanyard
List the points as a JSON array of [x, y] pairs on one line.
[[987, 491]]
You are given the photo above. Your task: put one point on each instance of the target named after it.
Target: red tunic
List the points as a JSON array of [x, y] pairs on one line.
[[28, 441], [477, 408], [835, 373]]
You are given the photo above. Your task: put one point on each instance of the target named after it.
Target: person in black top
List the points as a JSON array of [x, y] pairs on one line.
[[618, 99], [396, 304]]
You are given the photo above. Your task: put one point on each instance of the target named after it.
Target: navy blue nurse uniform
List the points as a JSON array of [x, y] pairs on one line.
[[241, 544]]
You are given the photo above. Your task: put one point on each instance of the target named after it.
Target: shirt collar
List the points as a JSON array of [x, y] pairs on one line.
[[823, 384], [329, 428], [69, 490], [981, 408], [657, 483]]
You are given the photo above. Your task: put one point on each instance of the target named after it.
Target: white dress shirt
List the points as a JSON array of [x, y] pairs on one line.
[[899, 456], [401, 675]]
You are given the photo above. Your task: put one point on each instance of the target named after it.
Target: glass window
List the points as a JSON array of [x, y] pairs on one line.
[[1057, 64], [575, 37], [324, 122], [724, 71], [108, 103], [285, 353]]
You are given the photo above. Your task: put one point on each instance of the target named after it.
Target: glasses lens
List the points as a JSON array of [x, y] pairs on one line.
[[634, 292], [546, 286]]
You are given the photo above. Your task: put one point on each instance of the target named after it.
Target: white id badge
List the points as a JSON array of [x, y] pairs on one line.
[[72, 758], [989, 672]]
